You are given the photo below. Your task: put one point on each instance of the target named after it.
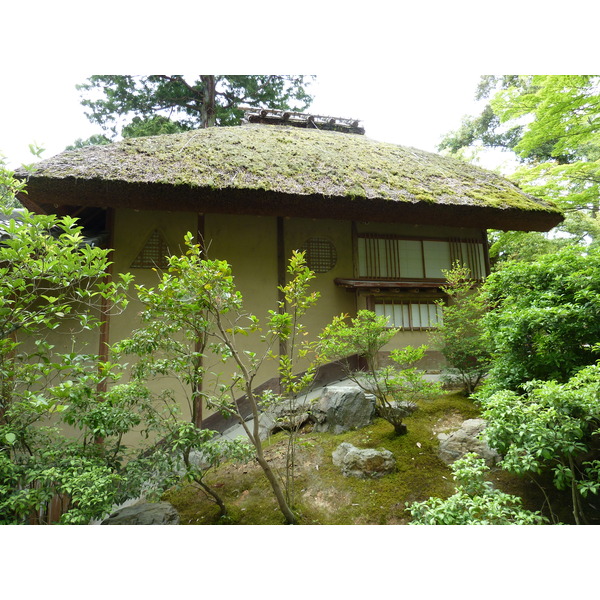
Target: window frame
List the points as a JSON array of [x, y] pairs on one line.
[[379, 257], [409, 301]]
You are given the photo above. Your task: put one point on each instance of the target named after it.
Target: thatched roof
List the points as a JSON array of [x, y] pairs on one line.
[[262, 169]]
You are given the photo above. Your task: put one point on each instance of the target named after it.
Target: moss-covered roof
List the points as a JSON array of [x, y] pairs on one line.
[[293, 162]]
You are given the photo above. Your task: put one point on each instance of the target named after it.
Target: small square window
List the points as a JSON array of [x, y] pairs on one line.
[[408, 315]]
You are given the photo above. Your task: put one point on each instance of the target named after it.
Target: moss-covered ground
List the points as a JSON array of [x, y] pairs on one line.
[[322, 495]]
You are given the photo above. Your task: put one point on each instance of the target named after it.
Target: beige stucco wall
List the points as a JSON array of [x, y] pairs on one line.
[[249, 244], [333, 300]]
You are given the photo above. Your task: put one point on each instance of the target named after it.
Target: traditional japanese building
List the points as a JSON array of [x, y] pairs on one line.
[[379, 222]]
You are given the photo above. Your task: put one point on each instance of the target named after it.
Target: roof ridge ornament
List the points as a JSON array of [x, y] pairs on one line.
[[272, 116]]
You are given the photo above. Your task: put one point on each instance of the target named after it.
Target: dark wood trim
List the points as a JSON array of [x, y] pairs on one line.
[[199, 400], [418, 238], [355, 259], [104, 337], [382, 283], [486, 252]]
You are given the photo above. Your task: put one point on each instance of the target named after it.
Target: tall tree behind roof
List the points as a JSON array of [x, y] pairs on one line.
[[552, 124], [117, 101]]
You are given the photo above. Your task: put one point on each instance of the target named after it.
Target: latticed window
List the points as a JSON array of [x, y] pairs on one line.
[[154, 253], [410, 315], [393, 257], [320, 254]]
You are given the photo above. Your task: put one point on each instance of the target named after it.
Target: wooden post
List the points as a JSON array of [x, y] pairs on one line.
[[105, 307], [196, 393], [281, 278], [486, 252]]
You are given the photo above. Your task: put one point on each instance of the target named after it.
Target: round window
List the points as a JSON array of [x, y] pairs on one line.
[[320, 254]]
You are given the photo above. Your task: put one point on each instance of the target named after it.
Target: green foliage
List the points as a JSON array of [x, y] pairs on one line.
[[552, 426], [155, 125], [93, 140], [188, 104], [551, 122], [195, 317], [475, 501], [561, 142], [396, 387], [11, 186], [544, 318], [178, 322], [460, 335], [579, 229], [365, 335], [49, 278]]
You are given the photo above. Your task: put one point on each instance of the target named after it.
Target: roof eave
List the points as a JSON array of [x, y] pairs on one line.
[[50, 193]]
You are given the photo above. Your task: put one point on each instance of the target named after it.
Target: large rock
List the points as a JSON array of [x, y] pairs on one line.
[[340, 409], [144, 513], [288, 415], [467, 439], [363, 463]]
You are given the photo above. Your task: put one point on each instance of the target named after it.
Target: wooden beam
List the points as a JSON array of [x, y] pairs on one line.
[[382, 284]]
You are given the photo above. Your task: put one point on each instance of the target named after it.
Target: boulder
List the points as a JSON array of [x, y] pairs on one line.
[[467, 439], [342, 408], [144, 513], [363, 463], [290, 414]]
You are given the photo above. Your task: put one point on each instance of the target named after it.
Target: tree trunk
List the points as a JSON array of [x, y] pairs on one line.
[[400, 429], [215, 496], [290, 518], [208, 101]]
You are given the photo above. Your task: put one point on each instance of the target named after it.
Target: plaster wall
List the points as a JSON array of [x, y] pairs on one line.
[[249, 244]]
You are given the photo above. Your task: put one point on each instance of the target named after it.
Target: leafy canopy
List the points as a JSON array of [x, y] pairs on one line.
[[552, 124], [156, 104], [543, 321], [49, 278], [475, 501], [398, 386]]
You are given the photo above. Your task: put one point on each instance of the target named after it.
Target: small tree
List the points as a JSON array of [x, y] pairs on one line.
[[171, 344], [397, 387], [196, 313], [460, 335], [475, 501]]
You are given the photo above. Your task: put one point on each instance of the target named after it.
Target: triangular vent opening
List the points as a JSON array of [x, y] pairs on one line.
[[154, 253]]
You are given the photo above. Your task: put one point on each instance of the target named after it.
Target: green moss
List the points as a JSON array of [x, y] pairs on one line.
[[293, 161], [323, 494]]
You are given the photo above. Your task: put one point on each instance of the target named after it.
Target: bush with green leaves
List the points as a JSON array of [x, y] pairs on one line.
[[543, 319], [51, 279], [397, 387], [475, 502], [460, 335], [552, 426]]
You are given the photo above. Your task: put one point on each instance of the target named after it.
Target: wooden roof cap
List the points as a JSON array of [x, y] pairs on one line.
[[272, 116]]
